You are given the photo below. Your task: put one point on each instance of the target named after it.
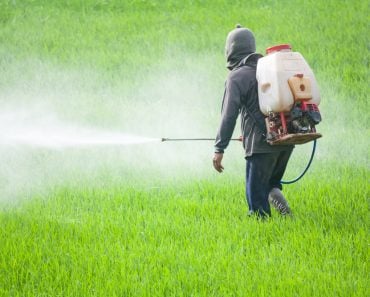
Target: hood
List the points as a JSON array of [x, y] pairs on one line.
[[240, 43]]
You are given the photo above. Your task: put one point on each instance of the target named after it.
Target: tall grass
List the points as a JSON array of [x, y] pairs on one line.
[[155, 220]]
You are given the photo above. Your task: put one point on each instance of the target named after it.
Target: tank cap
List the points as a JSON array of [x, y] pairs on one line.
[[277, 48]]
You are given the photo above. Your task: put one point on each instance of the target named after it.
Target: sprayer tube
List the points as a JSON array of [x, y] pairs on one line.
[[305, 170]]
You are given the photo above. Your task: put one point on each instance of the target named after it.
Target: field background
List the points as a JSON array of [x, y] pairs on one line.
[[155, 219]]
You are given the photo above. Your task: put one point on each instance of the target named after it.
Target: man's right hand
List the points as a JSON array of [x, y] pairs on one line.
[[217, 158]]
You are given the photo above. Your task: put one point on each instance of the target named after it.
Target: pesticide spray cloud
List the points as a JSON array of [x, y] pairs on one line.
[[38, 131], [76, 127]]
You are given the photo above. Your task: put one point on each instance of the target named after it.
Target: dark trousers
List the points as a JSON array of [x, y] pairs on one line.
[[264, 172]]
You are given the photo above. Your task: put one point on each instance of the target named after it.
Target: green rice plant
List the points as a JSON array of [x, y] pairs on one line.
[[155, 220]]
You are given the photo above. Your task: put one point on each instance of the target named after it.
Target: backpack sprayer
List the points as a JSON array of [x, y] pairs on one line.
[[288, 97]]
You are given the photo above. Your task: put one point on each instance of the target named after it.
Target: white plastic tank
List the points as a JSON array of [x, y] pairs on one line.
[[273, 72]]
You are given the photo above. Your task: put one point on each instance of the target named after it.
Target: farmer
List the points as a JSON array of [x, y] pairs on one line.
[[265, 164]]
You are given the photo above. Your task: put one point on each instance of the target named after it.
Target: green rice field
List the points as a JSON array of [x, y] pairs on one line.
[[152, 218]]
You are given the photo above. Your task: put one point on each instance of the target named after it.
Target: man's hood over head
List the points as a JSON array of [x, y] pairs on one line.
[[240, 43]]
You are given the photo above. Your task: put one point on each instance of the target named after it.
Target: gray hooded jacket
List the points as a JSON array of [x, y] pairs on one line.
[[241, 96]]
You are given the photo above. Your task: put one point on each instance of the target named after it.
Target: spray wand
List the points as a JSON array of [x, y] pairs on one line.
[[196, 139]]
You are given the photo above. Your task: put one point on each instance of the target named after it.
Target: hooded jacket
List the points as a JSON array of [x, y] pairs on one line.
[[241, 97]]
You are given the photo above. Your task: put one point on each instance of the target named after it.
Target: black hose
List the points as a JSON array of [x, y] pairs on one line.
[[305, 170]]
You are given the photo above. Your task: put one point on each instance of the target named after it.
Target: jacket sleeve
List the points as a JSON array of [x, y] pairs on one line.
[[230, 111]]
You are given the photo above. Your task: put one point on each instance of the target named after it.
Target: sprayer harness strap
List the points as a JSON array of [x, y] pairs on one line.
[[244, 62], [261, 128]]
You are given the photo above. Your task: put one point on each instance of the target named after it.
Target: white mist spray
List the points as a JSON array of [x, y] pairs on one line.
[[27, 129], [63, 127]]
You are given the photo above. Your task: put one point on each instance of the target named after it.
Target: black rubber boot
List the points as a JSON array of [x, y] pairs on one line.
[[278, 201]]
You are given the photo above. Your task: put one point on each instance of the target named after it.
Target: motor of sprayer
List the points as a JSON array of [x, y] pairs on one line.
[[288, 96]]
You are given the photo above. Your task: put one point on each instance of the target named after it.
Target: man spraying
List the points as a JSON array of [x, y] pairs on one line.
[[265, 164]]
